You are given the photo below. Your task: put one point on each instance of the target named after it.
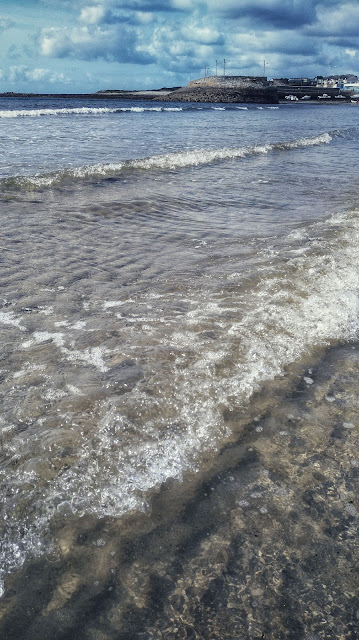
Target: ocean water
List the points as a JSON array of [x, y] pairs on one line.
[[179, 370]]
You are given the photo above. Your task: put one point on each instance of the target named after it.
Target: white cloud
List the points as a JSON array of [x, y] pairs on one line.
[[109, 42], [174, 52], [36, 74], [60, 78], [23, 74], [202, 34], [144, 17], [92, 15], [183, 5]]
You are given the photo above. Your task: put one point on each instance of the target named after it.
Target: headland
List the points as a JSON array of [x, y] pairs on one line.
[[215, 89], [225, 89]]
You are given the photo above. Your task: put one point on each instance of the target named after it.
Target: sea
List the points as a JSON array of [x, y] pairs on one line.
[[179, 370]]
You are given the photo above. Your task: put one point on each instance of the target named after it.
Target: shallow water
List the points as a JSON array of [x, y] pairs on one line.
[[172, 308]]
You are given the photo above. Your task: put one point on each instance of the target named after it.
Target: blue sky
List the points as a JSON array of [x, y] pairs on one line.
[[82, 45]]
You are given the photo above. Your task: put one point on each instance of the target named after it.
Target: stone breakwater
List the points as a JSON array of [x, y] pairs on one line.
[[225, 89]]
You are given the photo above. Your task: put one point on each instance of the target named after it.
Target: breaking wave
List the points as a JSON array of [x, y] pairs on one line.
[[168, 161], [35, 113], [110, 480]]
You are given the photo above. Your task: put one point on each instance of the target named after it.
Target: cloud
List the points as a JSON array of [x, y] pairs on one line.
[[277, 13], [200, 33], [183, 5], [109, 31], [93, 15], [111, 42], [23, 74], [336, 21], [265, 43], [144, 17], [174, 51], [5, 23], [152, 6], [101, 15]]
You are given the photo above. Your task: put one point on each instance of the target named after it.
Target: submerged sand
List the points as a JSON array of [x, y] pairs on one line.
[[261, 544]]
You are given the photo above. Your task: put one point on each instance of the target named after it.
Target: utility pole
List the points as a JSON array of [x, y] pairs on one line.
[[264, 68], [216, 67], [224, 67]]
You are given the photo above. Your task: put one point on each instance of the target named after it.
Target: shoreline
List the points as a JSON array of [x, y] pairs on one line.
[[105, 95], [163, 94]]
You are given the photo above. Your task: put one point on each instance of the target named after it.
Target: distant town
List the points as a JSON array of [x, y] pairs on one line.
[[347, 82], [339, 87], [227, 88]]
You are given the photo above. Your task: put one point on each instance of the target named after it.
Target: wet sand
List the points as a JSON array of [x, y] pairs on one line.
[[260, 543]]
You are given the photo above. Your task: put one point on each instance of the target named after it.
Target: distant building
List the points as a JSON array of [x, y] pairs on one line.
[[294, 82], [279, 81], [348, 82], [301, 82], [354, 86], [337, 81]]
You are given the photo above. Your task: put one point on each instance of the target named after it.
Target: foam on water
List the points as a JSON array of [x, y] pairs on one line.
[[175, 160], [9, 318], [36, 113], [93, 356], [304, 296]]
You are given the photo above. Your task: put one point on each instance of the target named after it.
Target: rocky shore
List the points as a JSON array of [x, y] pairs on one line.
[[256, 95], [216, 89], [225, 89]]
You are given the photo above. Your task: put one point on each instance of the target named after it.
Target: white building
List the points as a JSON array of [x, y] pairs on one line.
[[351, 86]]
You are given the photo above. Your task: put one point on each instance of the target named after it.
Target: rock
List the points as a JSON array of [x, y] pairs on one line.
[[225, 89]]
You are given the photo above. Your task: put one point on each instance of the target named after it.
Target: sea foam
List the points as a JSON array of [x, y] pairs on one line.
[[167, 161], [36, 113]]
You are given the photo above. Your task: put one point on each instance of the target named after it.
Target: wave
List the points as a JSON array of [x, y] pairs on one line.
[[308, 297], [84, 111], [35, 113], [168, 161]]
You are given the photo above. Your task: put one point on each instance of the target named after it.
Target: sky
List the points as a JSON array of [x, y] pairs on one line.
[[80, 46]]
